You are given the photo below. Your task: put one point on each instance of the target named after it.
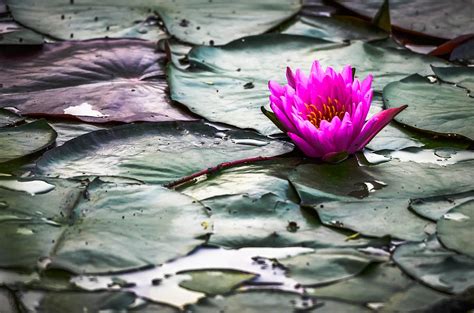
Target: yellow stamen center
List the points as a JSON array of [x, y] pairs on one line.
[[328, 112]]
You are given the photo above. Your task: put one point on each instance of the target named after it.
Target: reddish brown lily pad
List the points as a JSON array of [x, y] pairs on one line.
[[94, 81]]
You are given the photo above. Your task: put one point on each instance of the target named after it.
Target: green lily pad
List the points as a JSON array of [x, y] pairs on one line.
[[374, 200], [392, 138], [435, 107], [261, 301], [148, 152], [254, 206], [381, 286], [438, 19], [455, 229], [68, 130], [461, 76], [435, 266], [76, 302], [229, 83], [376, 284], [376, 218], [95, 81], [325, 266], [215, 282], [18, 143], [336, 28], [434, 208], [113, 227], [349, 181], [195, 22], [30, 223], [417, 298], [8, 118]]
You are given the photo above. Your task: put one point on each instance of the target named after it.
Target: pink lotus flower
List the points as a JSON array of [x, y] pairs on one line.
[[325, 114]]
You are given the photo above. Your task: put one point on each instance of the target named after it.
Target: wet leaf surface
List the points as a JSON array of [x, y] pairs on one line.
[[374, 200], [456, 227], [338, 28], [31, 223], [381, 285], [434, 208], [98, 81], [148, 151], [254, 206], [108, 229], [214, 85], [17, 143], [326, 266], [196, 22], [427, 109], [75, 302], [435, 266], [259, 301]]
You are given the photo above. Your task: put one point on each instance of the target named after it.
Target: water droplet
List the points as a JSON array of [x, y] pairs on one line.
[[43, 263], [13, 218], [142, 30], [24, 231], [458, 217], [32, 187], [3, 205], [50, 222], [434, 280], [376, 306], [221, 135], [250, 142], [366, 188]]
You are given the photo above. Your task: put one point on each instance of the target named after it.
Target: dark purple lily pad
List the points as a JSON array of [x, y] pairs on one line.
[[94, 81], [444, 19]]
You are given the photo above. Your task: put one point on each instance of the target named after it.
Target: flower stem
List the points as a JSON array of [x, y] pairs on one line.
[[215, 169]]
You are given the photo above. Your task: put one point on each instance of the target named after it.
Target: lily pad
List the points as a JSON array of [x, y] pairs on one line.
[[30, 223], [435, 266], [68, 130], [461, 76], [456, 228], [109, 229], [325, 266], [376, 284], [435, 107], [8, 118], [195, 22], [374, 200], [254, 206], [260, 301], [375, 218], [215, 282], [17, 143], [439, 19], [97, 81], [336, 28], [148, 152], [229, 83], [381, 286], [75, 302], [349, 181], [434, 208]]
